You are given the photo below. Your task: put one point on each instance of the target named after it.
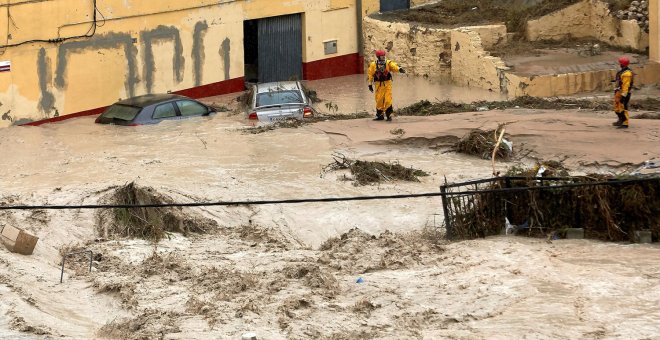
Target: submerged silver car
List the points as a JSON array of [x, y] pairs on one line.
[[277, 101]]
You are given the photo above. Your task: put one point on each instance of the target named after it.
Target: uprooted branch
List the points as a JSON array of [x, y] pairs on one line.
[[370, 172]]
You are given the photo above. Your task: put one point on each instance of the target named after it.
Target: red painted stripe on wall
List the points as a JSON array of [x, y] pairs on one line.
[[320, 69], [334, 67], [65, 117], [223, 87]]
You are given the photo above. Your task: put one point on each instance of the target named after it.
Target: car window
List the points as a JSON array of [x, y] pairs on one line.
[[122, 112], [279, 97], [164, 111], [191, 108]]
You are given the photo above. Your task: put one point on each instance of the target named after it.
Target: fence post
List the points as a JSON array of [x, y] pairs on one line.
[[507, 210], [445, 208]]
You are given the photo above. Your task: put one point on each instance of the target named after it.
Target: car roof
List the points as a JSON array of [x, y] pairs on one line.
[[277, 86], [148, 99]]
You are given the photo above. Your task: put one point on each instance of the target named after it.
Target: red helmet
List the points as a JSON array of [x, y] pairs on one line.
[[624, 61], [380, 53]]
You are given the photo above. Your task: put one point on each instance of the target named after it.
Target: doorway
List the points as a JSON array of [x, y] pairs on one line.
[[273, 48]]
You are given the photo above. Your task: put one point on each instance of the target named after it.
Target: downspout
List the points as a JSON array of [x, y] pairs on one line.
[[358, 16]]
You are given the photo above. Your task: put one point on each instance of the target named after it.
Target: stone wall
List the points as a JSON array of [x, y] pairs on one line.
[[471, 65], [429, 51], [421, 50], [461, 54], [571, 83], [588, 19]]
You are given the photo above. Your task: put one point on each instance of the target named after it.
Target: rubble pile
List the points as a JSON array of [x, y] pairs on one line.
[[638, 11]]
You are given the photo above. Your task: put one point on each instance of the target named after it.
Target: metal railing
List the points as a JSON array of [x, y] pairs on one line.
[[609, 209]]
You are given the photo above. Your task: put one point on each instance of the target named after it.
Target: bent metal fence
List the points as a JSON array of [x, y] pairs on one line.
[[607, 209]]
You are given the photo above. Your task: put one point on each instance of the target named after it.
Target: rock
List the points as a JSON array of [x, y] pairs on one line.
[[634, 3]]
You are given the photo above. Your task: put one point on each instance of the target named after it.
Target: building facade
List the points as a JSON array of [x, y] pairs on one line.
[[68, 58]]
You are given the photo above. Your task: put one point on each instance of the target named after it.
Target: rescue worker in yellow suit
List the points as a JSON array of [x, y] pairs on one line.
[[624, 84], [380, 75]]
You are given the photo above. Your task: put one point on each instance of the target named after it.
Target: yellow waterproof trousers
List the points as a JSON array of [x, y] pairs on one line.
[[621, 108], [383, 93]]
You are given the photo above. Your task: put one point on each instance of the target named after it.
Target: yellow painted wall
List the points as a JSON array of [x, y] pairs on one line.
[[370, 6], [654, 28], [320, 26], [132, 50]]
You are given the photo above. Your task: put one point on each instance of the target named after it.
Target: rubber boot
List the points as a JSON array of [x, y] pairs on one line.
[[379, 115], [625, 121], [389, 112], [620, 120]]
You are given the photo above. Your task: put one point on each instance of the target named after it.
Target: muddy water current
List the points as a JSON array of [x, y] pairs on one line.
[[216, 158], [497, 288]]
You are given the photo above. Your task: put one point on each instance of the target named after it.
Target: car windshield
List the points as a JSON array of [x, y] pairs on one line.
[[122, 112], [279, 97]]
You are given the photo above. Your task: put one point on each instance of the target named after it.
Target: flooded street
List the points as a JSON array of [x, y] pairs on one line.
[[349, 94], [290, 271]]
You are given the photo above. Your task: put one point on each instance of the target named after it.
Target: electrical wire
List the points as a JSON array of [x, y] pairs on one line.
[[317, 200], [90, 32]]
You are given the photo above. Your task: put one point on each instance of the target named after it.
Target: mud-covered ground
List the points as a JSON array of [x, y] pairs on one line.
[[455, 13]]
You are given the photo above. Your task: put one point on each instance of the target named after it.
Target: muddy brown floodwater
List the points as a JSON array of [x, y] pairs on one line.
[[291, 271]]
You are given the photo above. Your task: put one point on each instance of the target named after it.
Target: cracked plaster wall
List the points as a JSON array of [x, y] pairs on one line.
[[588, 19], [471, 64], [421, 50], [571, 83], [426, 51]]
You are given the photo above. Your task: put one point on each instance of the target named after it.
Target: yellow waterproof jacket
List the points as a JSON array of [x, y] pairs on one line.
[[374, 75], [624, 81]]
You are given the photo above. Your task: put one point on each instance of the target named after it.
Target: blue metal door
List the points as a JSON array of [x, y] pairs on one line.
[[280, 48], [393, 5]]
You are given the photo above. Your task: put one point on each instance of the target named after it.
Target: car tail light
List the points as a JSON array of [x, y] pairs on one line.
[[307, 112], [252, 115]]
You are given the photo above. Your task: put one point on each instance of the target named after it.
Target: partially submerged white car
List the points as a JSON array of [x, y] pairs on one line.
[[278, 101]]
